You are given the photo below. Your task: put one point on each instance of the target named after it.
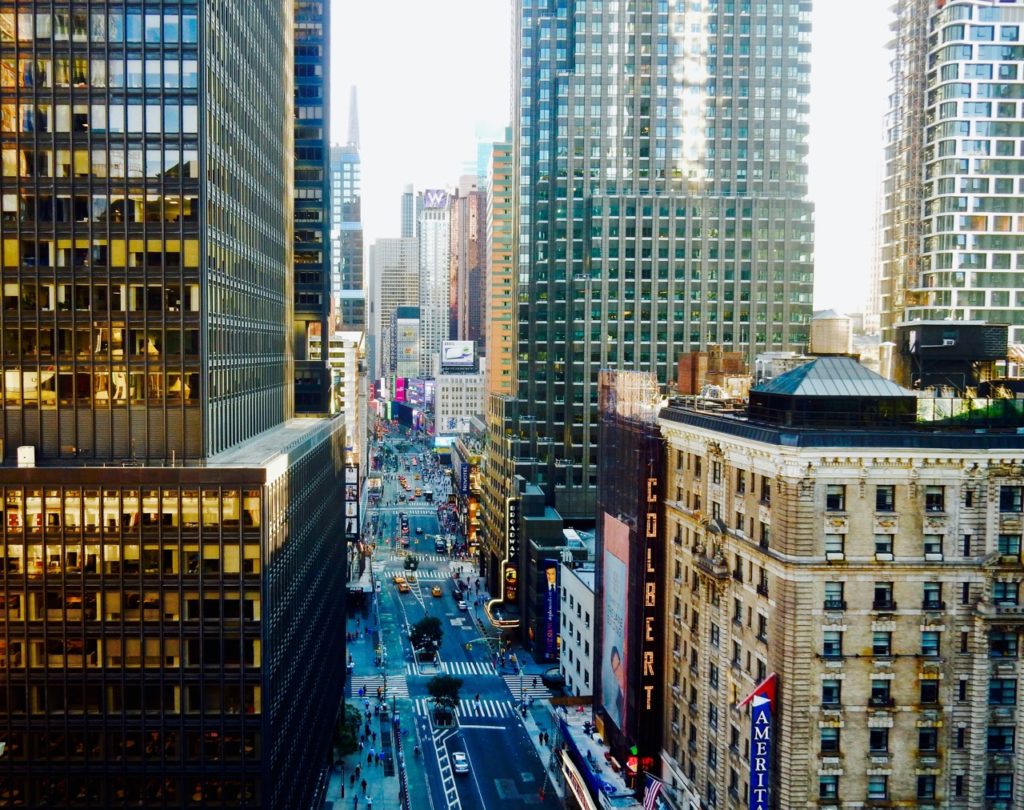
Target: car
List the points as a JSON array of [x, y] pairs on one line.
[[435, 591], [404, 587], [460, 762], [440, 547], [410, 577], [456, 594], [419, 530], [462, 605], [398, 579]]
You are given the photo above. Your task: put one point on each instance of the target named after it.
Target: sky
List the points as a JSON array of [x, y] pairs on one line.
[[433, 79]]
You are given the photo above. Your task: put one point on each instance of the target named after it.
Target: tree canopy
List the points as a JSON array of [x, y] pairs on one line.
[[444, 689], [426, 633]]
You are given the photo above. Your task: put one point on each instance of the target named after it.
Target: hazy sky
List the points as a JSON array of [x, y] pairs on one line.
[[433, 79]]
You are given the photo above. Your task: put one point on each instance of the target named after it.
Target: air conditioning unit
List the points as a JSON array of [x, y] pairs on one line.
[[948, 342], [27, 455]]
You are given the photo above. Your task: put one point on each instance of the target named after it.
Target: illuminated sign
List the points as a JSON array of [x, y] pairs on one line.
[[434, 198], [762, 700], [574, 781], [649, 645], [511, 573], [464, 479], [511, 584], [351, 503]]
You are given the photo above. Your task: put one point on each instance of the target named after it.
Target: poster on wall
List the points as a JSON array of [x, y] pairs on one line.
[[616, 619]]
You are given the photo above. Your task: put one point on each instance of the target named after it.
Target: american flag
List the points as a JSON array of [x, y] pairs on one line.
[[651, 792]]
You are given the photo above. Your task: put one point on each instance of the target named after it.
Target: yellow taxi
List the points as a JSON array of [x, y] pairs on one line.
[[398, 579], [410, 577], [403, 587], [435, 591]]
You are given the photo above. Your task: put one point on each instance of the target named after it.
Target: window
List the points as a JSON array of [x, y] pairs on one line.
[[834, 545], [933, 546], [1010, 499], [716, 472], [1002, 644], [883, 597], [930, 640], [828, 787], [830, 740], [1001, 739], [931, 598], [1008, 545], [935, 499], [741, 482], [831, 692], [878, 740], [1005, 593], [926, 787], [927, 739], [999, 786], [834, 596], [885, 498], [883, 546], [832, 646], [1002, 692], [881, 643], [878, 787], [835, 498], [766, 490], [881, 694], [929, 691]]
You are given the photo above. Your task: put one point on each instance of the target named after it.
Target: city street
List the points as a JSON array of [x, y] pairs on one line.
[[504, 765]]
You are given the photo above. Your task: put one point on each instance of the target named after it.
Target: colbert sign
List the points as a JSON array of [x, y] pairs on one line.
[[651, 613]]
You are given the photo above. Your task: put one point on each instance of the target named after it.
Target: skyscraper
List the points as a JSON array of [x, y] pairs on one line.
[[951, 220], [660, 165], [412, 206], [312, 276], [347, 227], [499, 319], [394, 282], [435, 280], [468, 261], [166, 639]]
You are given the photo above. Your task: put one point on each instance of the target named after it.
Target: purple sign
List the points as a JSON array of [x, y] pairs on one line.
[[434, 198]]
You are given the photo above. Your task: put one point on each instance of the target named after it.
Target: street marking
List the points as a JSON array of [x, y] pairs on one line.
[[482, 728]]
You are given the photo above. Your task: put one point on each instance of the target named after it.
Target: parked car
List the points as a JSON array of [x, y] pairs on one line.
[[462, 605], [460, 762]]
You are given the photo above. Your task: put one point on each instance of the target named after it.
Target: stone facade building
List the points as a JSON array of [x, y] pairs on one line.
[[876, 570]]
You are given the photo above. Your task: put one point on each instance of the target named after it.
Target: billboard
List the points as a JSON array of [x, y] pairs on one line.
[[435, 198], [351, 503], [414, 389], [400, 389], [457, 353], [549, 626], [615, 653]]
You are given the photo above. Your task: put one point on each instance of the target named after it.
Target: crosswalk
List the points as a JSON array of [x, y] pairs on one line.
[[539, 692], [470, 708], [397, 685], [468, 668], [423, 558]]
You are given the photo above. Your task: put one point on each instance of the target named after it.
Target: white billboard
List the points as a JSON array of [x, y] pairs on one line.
[[457, 353]]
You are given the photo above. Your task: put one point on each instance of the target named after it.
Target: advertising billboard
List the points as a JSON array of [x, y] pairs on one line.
[[414, 391], [351, 503], [400, 389], [616, 619], [549, 625], [457, 353]]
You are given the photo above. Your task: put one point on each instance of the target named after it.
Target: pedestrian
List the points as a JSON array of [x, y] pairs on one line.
[[370, 757], [369, 803], [363, 785], [355, 802]]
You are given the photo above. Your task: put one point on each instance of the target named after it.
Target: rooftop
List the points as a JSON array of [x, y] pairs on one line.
[[836, 376]]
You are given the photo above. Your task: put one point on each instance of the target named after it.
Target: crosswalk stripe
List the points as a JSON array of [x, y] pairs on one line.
[[468, 668], [539, 691], [469, 708], [397, 685]]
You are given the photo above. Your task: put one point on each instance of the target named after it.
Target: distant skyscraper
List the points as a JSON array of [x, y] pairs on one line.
[[661, 194], [952, 243], [394, 282], [435, 281], [468, 262], [500, 291], [166, 641], [347, 227], [412, 206], [312, 276]]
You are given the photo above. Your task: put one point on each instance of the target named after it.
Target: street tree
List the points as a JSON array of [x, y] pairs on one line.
[[444, 690], [426, 634], [412, 562]]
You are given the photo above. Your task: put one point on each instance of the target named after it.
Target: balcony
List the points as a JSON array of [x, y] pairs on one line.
[[884, 605], [715, 568], [880, 702], [933, 604], [834, 604]]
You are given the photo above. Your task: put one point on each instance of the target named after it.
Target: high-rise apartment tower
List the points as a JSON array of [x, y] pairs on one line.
[[954, 179]]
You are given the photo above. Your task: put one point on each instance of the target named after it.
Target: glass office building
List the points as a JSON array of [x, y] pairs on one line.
[[166, 521], [661, 190]]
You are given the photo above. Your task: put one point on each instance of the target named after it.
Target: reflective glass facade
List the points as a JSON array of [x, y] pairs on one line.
[[312, 291], [660, 154]]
